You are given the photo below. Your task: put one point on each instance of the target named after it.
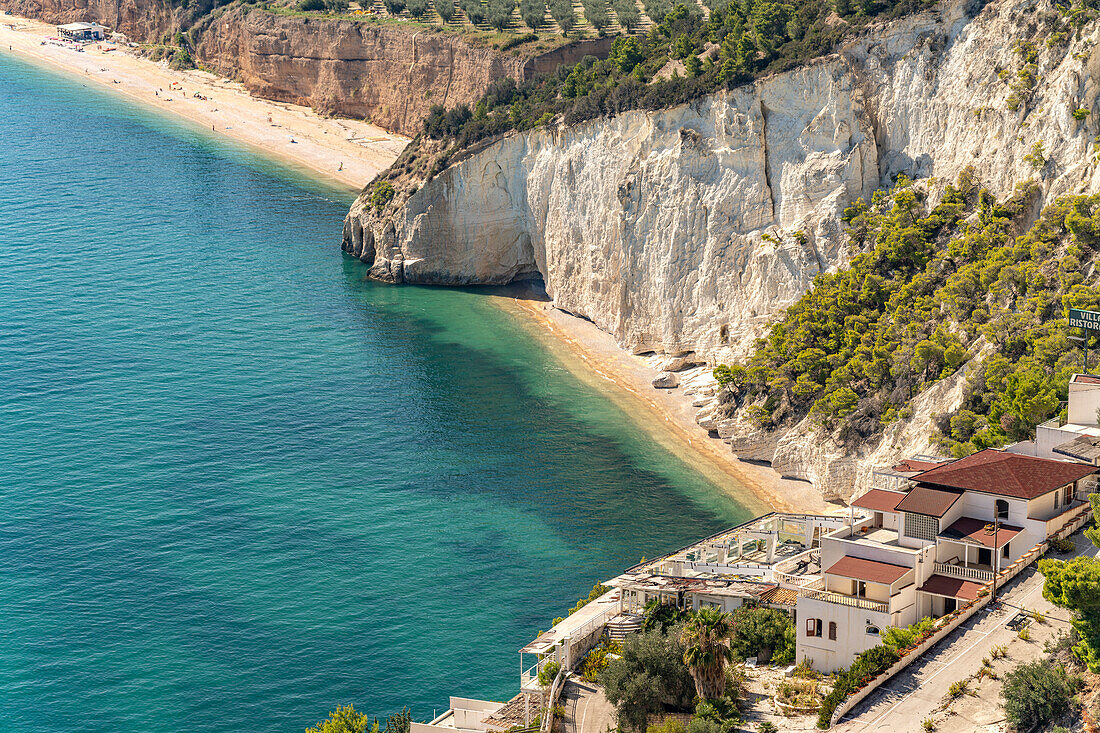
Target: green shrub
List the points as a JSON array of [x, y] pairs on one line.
[[345, 719], [650, 676], [548, 672], [908, 636], [381, 194], [598, 658], [764, 633], [1035, 157], [445, 9], [957, 689], [181, 60], [533, 13], [866, 667], [1036, 694], [1062, 545], [1080, 113], [668, 725]]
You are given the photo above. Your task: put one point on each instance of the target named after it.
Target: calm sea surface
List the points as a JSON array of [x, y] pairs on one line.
[[241, 485]]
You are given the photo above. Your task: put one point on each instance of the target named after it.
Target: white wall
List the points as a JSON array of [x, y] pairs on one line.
[[1084, 400], [982, 506], [834, 548], [852, 637]]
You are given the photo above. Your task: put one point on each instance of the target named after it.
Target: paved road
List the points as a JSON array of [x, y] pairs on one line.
[[918, 691], [586, 708]]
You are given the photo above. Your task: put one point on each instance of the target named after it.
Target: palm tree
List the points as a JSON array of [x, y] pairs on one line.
[[707, 651]]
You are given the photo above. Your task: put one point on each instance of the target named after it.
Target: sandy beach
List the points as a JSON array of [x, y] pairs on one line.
[[667, 415], [351, 153], [348, 152]]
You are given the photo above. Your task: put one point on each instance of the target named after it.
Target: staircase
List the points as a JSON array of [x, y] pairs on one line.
[[623, 624]]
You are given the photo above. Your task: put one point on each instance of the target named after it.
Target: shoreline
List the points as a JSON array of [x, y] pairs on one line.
[[666, 414], [343, 151], [350, 153]]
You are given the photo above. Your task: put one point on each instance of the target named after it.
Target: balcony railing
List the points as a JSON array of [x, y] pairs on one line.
[[962, 572], [841, 600], [811, 582]]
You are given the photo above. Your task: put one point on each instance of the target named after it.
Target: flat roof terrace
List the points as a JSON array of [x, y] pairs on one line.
[[577, 625], [863, 533], [765, 542]]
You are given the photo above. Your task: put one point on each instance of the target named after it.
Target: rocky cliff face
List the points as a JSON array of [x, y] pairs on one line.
[[386, 73], [684, 230], [676, 231]]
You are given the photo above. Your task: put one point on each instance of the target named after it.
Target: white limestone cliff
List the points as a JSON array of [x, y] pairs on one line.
[[683, 231]]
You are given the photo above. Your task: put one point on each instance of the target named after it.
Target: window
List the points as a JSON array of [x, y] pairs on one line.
[[921, 527], [1002, 508], [1004, 550], [813, 627], [832, 631], [873, 630]]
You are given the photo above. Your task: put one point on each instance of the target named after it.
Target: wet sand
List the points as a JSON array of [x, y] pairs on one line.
[[667, 415]]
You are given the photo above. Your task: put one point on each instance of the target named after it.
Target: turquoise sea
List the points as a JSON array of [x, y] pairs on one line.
[[241, 485]]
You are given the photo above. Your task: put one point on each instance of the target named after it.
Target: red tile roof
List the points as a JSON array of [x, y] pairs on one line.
[[927, 501], [780, 596], [879, 500], [1006, 474], [980, 532], [912, 465], [1085, 379], [870, 570], [941, 585]]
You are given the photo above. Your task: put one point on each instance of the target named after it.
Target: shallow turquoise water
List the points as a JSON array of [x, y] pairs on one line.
[[239, 484]]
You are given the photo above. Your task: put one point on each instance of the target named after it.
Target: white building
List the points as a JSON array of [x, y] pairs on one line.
[[926, 550], [468, 716], [82, 32], [1076, 437]]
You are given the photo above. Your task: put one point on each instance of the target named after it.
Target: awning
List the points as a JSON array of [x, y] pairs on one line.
[[872, 571], [979, 532], [942, 585], [879, 500]]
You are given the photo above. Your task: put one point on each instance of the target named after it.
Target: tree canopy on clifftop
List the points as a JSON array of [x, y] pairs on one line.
[[740, 40], [928, 291]]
